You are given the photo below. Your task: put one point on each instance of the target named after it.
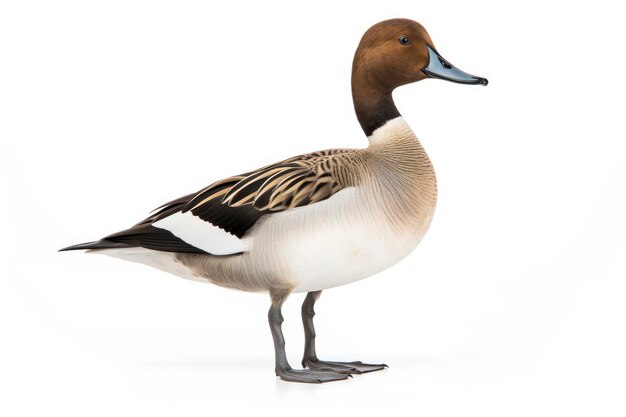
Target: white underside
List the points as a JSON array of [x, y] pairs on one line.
[[334, 242], [165, 261]]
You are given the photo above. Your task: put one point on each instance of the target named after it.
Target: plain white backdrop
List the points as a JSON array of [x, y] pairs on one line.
[[513, 305]]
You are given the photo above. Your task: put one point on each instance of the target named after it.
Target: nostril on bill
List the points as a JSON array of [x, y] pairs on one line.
[[445, 64]]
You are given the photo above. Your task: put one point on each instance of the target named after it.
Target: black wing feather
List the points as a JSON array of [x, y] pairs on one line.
[[235, 220]]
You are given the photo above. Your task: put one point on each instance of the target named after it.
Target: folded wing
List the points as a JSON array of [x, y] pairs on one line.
[[215, 220]]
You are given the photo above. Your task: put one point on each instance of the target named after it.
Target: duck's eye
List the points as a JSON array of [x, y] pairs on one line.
[[404, 40]]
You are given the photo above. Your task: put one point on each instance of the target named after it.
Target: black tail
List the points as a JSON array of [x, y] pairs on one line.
[[100, 244]]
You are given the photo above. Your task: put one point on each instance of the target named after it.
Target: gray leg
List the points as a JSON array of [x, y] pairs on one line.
[[283, 369], [310, 359]]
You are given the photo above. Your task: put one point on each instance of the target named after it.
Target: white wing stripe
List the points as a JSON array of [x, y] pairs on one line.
[[201, 234]]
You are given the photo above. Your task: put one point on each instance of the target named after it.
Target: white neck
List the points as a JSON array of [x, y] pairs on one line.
[[394, 128]]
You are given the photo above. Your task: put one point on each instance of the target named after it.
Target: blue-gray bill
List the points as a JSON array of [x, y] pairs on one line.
[[438, 67]]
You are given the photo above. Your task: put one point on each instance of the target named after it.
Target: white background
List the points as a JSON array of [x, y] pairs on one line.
[[513, 305]]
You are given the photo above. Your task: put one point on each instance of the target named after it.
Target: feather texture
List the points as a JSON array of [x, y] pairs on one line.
[[236, 203], [231, 206]]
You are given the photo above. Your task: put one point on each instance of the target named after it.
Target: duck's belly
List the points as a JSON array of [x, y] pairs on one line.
[[330, 259], [335, 242]]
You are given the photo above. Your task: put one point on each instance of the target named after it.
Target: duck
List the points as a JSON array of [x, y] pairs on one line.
[[313, 221]]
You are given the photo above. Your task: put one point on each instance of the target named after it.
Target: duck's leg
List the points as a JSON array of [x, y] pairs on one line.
[[310, 359], [283, 370]]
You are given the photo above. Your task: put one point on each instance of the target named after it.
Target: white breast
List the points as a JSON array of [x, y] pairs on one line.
[[334, 242]]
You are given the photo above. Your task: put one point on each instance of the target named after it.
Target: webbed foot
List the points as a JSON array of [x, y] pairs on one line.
[[356, 367], [310, 376]]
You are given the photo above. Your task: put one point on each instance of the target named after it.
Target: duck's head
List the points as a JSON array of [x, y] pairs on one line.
[[393, 53]]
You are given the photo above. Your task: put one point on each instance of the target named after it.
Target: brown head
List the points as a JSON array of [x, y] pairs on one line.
[[393, 53]]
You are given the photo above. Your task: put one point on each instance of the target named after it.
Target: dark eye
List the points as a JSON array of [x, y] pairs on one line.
[[404, 40]]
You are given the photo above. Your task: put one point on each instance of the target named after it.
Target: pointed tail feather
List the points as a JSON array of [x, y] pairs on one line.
[[100, 244]]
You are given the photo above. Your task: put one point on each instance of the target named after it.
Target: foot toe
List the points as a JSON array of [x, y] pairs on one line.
[[310, 376], [355, 367]]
